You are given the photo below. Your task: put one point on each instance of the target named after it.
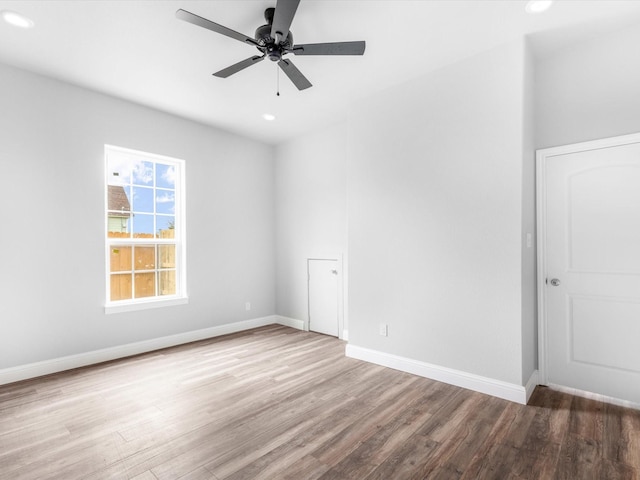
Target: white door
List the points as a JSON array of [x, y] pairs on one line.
[[323, 296], [591, 266]]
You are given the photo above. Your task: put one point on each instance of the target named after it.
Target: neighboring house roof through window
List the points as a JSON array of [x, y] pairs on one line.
[[118, 201]]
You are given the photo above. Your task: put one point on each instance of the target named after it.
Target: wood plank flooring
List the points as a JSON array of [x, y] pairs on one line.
[[277, 403]]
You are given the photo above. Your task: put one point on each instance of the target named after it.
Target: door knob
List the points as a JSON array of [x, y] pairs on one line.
[[335, 272], [555, 282]]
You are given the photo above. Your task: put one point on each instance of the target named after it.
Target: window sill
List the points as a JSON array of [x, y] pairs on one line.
[[121, 307]]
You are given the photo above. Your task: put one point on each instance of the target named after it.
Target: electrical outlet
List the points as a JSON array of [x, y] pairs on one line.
[[247, 306], [384, 329]]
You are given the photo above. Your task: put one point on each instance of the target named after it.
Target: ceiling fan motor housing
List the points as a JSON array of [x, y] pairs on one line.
[[267, 44]]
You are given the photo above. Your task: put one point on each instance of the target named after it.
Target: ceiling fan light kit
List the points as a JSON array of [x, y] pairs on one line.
[[274, 40]]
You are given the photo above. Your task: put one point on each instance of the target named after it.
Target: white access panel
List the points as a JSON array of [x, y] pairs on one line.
[[323, 296]]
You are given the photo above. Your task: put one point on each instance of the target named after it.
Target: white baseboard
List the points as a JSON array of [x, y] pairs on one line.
[[477, 383], [531, 385], [38, 369], [290, 322], [302, 325], [595, 396]]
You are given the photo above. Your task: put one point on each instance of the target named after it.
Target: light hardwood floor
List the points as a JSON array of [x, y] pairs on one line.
[[277, 403]]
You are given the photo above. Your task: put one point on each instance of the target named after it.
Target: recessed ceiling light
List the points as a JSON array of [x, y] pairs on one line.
[[15, 19], [538, 6], [268, 117]]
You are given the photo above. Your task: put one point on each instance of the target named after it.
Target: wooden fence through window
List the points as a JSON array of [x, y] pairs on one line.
[[131, 264]]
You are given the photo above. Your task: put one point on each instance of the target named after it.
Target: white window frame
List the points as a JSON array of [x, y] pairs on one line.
[[180, 240]]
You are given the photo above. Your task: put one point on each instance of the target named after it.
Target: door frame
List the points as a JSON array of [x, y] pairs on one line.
[[542, 157], [338, 257]]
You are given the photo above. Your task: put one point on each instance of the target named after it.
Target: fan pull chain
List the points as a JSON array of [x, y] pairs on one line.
[[277, 82]]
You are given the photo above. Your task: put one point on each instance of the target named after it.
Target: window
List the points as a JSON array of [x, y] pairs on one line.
[[145, 230]]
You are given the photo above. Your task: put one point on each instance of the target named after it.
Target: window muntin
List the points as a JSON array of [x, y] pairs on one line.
[[145, 238]]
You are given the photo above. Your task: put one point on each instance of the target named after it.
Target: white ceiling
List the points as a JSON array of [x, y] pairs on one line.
[[139, 51]]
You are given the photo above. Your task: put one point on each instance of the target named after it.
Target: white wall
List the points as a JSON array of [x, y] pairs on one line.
[[52, 279], [311, 211], [440, 194], [435, 197], [589, 90], [441, 197], [529, 290], [434, 204]]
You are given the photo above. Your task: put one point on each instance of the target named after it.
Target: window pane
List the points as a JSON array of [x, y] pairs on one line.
[[120, 260], [118, 211], [142, 173], [166, 226], [166, 256], [145, 284], [165, 201], [167, 280], [144, 257], [143, 226], [118, 226], [120, 287], [165, 176], [142, 199], [118, 170]]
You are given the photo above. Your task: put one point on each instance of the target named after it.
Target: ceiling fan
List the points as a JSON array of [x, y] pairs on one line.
[[274, 41]]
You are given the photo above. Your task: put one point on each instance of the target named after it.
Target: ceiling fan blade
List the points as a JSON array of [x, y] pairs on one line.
[[227, 72], [337, 48], [299, 80], [209, 25], [282, 18]]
